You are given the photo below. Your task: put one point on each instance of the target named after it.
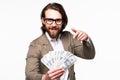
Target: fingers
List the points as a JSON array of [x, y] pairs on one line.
[[73, 29], [79, 35], [55, 74], [82, 36], [75, 35], [54, 70], [56, 77]]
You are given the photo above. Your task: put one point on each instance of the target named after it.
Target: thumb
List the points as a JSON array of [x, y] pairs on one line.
[[73, 29]]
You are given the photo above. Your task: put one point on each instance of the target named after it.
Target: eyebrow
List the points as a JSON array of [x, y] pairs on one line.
[[53, 18]]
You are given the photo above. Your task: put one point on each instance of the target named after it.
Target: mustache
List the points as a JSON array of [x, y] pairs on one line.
[[53, 28]]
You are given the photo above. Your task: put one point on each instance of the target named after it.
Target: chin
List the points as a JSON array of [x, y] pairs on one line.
[[53, 36]]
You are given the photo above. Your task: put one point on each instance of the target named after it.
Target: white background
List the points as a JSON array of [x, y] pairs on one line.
[[20, 24]]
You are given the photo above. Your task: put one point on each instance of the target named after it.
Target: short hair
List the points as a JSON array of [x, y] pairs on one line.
[[58, 7]]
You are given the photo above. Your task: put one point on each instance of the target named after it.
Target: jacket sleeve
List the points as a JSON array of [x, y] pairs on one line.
[[84, 49], [32, 69]]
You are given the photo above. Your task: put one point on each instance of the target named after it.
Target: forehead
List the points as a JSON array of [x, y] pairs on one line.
[[50, 13]]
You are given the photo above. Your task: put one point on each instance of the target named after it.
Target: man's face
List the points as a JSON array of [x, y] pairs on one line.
[[52, 22]]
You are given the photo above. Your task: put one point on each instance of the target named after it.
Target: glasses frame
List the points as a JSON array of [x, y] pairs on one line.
[[50, 21]]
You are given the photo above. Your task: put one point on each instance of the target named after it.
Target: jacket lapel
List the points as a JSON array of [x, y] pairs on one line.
[[64, 39], [48, 47], [64, 44], [46, 44]]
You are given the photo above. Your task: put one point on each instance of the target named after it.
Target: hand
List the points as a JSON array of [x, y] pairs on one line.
[[80, 35], [54, 74]]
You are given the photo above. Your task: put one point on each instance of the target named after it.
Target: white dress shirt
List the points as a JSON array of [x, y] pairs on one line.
[[57, 45]]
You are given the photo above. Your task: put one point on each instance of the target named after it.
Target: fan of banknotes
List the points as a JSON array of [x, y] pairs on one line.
[[55, 59]]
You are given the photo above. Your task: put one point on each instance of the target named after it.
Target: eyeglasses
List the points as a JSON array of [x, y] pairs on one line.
[[50, 21]]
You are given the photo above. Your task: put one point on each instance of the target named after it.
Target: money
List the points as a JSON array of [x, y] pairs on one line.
[[55, 59]]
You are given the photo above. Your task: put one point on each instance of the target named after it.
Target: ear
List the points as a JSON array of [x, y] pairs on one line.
[[42, 20]]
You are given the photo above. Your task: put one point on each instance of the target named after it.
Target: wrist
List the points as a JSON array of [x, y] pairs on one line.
[[45, 77]]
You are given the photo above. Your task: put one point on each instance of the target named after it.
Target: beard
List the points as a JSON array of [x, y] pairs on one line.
[[54, 32]]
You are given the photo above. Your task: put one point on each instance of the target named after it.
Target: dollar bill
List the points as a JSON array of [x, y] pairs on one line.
[[55, 59]]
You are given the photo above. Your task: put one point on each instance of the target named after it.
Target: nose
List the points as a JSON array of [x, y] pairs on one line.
[[53, 24]]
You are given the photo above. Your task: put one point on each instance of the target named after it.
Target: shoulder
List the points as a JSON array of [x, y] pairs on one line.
[[38, 40], [66, 34]]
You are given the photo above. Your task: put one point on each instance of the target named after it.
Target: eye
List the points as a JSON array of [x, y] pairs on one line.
[[58, 20], [49, 20]]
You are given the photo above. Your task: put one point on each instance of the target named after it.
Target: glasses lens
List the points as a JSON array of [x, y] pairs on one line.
[[48, 21], [58, 21]]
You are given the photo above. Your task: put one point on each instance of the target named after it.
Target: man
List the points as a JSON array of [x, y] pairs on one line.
[[54, 20]]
